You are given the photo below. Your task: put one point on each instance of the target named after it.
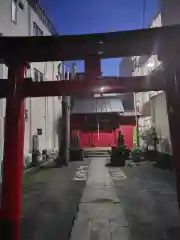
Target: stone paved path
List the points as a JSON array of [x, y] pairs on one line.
[[100, 215]]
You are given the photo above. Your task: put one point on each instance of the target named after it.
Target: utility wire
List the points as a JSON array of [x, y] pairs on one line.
[[143, 13]]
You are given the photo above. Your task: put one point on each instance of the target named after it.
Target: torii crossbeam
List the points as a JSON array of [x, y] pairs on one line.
[[16, 52]]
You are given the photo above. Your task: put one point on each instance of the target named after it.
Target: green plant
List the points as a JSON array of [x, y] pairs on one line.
[[136, 154], [136, 150]]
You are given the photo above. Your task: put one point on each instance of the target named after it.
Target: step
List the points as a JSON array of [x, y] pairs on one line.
[[96, 153]]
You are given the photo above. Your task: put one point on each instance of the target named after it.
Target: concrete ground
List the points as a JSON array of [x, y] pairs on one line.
[[117, 203], [148, 198], [50, 201], [128, 203]]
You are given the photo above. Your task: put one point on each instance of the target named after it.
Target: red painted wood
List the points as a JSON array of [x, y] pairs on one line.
[[173, 107], [92, 67], [10, 211], [128, 135], [85, 139], [104, 139], [129, 43], [91, 86], [107, 45]]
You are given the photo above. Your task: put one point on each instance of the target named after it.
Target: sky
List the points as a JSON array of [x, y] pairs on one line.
[[95, 16]]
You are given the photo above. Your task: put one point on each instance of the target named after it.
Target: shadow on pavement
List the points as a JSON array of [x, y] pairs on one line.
[[50, 202], [149, 200]]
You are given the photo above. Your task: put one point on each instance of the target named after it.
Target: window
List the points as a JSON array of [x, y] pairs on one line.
[[38, 76], [14, 11], [36, 30], [40, 12]]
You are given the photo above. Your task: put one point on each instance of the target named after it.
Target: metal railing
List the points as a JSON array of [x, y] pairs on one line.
[[42, 15]]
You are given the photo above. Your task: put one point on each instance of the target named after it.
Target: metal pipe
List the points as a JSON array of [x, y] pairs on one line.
[[137, 120], [46, 135], [54, 112], [98, 127]]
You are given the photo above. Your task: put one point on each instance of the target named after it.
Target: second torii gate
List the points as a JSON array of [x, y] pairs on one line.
[[17, 52]]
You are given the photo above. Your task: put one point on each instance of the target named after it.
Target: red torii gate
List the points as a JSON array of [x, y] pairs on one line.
[[16, 52]]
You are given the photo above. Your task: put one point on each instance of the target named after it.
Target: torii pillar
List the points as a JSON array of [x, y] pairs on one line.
[[13, 154], [172, 80], [92, 67], [64, 155]]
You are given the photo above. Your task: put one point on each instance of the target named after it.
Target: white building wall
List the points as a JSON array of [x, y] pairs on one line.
[[42, 112], [157, 21], [161, 122], [152, 104], [42, 109], [7, 26]]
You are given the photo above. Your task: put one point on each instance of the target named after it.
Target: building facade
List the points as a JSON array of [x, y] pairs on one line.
[[27, 18], [152, 105], [126, 70], [98, 120], [170, 12]]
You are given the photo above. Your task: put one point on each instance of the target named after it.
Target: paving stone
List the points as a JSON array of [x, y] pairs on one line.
[[97, 194], [120, 233], [102, 211], [100, 215]]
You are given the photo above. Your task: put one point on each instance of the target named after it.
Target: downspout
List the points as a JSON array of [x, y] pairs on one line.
[[98, 127], [2, 128], [45, 125], [54, 115], [30, 99], [46, 111], [137, 120], [30, 122]]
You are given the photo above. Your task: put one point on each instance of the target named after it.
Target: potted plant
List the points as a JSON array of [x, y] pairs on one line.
[[137, 154], [152, 140]]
